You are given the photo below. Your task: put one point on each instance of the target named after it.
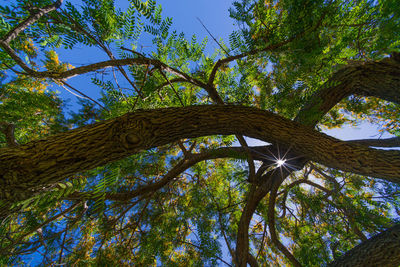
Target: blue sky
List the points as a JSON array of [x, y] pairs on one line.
[[185, 15], [215, 16]]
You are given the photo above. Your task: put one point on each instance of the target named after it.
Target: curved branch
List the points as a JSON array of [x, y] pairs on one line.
[[35, 16], [110, 63], [271, 225], [255, 195], [183, 165], [388, 142], [270, 47], [50, 160], [382, 249], [377, 78]]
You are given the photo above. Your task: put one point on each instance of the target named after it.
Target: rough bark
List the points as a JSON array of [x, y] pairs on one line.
[[388, 142], [50, 160], [380, 250], [379, 79]]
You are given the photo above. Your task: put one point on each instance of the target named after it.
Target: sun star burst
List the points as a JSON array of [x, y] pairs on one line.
[[280, 162]]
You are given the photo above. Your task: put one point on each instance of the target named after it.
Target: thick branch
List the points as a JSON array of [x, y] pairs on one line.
[[388, 142], [51, 160], [8, 130], [382, 249], [378, 79], [255, 195]]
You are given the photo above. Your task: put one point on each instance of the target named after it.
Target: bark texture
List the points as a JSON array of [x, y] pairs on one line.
[[50, 160], [379, 79], [380, 250]]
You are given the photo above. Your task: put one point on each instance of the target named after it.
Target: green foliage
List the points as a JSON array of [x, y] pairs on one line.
[[34, 110], [112, 218]]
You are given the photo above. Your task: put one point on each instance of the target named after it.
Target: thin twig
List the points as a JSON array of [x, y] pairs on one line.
[[86, 96], [132, 51], [19, 239], [172, 87], [105, 49], [226, 52]]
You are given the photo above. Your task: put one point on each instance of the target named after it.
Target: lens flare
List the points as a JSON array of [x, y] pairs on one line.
[[280, 162]]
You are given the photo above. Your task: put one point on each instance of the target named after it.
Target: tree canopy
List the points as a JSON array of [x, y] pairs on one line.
[[158, 170]]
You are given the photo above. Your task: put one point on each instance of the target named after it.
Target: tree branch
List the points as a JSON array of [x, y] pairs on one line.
[[175, 80], [55, 217], [172, 87], [83, 94], [226, 52], [34, 163], [377, 78], [388, 142], [8, 130], [383, 248], [270, 47], [179, 168], [271, 225], [11, 35]]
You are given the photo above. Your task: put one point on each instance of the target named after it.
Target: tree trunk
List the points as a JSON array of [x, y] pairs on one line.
[[42, 162]]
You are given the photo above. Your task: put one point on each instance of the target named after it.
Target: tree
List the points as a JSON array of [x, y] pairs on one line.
[[149, 174]]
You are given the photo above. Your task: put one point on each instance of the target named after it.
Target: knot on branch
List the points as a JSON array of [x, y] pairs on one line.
[[130, 140]]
